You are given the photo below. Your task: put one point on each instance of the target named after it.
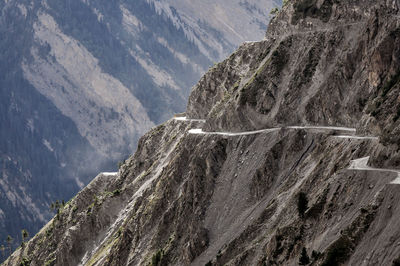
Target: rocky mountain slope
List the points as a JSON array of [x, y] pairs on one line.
[[81, 81], [289, 153], [219, 25]]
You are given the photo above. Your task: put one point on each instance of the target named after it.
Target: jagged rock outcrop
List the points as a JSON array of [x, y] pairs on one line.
[[192, 197]]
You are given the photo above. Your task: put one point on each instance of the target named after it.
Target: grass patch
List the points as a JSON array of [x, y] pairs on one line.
[[116, 192], [90, 208], [49, 232], [25, 261], [157, 257], [50, 262]]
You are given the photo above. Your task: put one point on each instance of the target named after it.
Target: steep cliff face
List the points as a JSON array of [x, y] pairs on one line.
[[289, 153], [81, 81]]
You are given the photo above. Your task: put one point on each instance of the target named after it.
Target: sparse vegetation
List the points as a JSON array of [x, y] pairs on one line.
[[50, 262], [302, 204], [90, 208], [57, 206], [2, 249], [279, 57], [304, 259], [119, 232], [236, 86], [156, 259], [274, 11], [279, 249], [315, 255], [338, 252], [396, 262], [361, 103], [25, 261], [49, 231], [24, 234], [9, 240], [219, 254]]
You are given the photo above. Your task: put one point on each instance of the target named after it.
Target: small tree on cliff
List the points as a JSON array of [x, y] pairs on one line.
[[24, 234], [302, 204], [9, 242], [304, 259]]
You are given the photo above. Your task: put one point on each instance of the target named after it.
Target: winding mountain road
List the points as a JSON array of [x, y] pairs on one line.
[[349, 129], [184, 118], [358, 164], [362, 165], [199, 131], [109, 173], [355, 137]]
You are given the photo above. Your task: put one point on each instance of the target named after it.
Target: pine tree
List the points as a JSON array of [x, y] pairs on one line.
[[2, 248], [52, 206], [302, 204], [304, 259], [25, 235], [9, 242]]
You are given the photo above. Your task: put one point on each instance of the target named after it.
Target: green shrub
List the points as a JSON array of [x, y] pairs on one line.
[[89, 210], [302, 203], [315, 255], [25, 261], [119, 232], [274, 11], [50, 262], [156, 259], [49, 231], [338, 252], [396, 262], [304, 259]]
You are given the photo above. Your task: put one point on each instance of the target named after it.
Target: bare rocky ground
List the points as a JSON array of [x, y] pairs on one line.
[[191, 199]]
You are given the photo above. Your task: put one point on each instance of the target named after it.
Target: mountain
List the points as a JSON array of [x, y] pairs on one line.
[[218, 27], [81, 81], [288, 154]]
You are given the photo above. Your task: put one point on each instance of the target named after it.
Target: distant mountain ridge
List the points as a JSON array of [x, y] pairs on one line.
[[218, 25]]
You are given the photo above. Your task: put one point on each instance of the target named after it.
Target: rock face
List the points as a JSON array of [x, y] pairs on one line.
[[81, 81], [229, 19], [278, 197]]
